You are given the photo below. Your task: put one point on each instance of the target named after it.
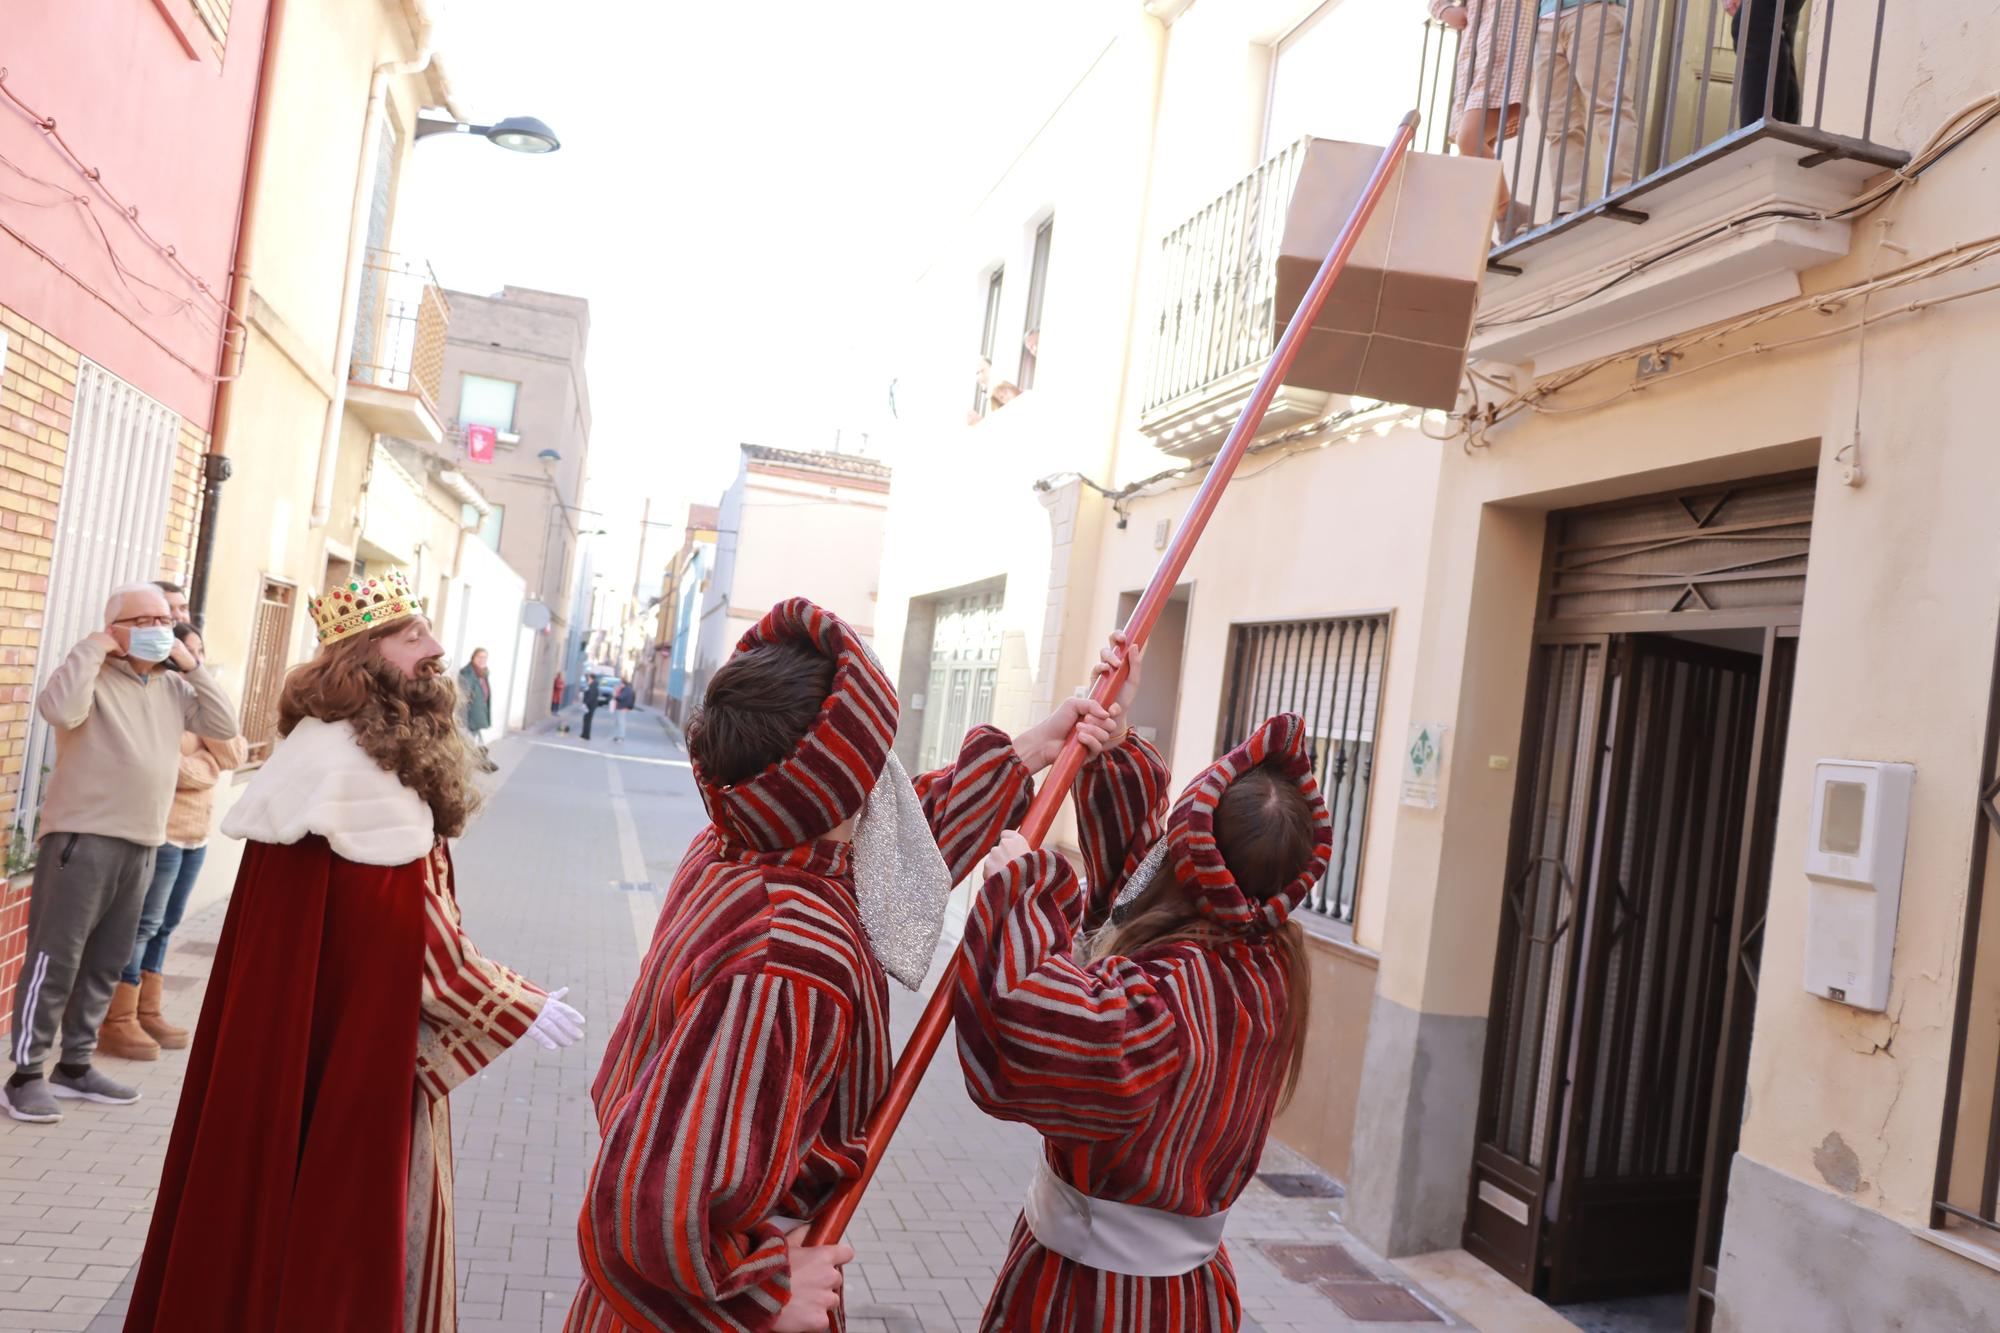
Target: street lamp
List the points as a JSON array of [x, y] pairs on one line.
[[519, 134]]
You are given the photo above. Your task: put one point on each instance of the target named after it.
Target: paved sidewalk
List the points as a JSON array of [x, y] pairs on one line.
[[561, 879]]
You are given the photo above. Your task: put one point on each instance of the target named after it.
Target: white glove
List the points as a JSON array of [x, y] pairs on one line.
[[558, 1025]]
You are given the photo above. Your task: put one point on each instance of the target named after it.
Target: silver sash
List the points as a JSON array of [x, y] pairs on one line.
[[1117, 1237]]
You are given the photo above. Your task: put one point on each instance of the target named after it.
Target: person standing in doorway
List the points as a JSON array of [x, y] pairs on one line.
[[118, 719], [141, 1035], [622, 703], [475, 690], [593, 699]]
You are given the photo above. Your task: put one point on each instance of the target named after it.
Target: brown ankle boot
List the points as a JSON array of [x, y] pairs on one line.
[[121, 1034], [152, 1020]]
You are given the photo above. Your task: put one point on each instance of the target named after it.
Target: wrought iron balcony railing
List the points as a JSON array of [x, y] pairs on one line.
[[1614, 99], [399, 335]]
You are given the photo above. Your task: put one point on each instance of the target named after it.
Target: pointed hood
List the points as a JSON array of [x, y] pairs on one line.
[[1190, 836], [828, 777]]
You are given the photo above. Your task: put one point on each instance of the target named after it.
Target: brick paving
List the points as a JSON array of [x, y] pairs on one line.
[[547, 881]]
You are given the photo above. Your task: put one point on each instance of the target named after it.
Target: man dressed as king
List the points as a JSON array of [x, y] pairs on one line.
[[308, 1181]]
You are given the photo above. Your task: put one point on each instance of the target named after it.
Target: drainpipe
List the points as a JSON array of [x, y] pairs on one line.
[[357, 248], [215, 464]]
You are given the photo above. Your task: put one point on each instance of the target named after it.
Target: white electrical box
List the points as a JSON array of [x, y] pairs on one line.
[[1854, 860]]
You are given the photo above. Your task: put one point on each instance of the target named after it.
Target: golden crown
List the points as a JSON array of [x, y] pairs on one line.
[[364, 604]]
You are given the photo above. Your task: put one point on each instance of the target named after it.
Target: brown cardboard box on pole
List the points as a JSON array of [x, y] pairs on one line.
[[1397, 322]]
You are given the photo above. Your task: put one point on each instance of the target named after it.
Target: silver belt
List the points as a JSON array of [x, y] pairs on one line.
[[1117, 1237]]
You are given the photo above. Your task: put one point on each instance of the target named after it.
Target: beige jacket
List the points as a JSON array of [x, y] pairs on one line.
[[203, 762], [118, 742]]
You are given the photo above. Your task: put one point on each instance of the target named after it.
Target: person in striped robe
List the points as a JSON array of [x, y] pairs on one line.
[[1153, 1053], [755, 1043]]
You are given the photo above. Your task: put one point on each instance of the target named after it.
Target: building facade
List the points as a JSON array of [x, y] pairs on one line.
[[1624, 987], [115, 329], [794, 523], [514, 363], [664, 673]]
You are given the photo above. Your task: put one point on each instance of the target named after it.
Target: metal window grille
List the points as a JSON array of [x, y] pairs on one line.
[[1038, 281], [965, 674], [1329, 672], [1968, 1171], [989, 329], [110, 523], [270, 630]]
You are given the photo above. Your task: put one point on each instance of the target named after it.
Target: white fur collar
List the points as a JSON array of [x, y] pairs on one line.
[[320, 780]]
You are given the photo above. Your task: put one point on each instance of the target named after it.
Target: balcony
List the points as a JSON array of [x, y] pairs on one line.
[[1217, 323], [399, 336], [1704, 177], [1718, 217]]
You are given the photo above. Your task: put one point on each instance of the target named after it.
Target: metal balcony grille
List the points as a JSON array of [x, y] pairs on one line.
[[1329, 672], [399, 334]]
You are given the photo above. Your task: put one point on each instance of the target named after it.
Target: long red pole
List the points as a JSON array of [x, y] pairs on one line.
[[931, 1027]]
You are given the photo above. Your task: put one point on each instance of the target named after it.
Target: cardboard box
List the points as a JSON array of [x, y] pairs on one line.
[[1399, 318]]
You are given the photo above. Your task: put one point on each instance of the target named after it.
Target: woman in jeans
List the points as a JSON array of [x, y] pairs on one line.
[[135, 1028]]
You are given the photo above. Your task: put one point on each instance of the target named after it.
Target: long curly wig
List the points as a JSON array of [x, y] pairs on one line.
[[407, 725]]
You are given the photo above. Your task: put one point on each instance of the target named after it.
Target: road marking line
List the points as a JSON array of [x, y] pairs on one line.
[[645, 907], [618, 758]]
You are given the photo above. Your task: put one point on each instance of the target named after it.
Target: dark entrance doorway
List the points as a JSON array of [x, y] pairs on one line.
[[1637, 874]]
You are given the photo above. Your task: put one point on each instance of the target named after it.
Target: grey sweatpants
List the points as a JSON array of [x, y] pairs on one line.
[[82, 917]]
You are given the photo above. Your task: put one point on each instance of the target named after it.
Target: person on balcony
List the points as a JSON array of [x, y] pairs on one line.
[[1586, 82], [1756, 28], [1490, 83]]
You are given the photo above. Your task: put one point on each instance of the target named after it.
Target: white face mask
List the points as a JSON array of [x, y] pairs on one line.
[[149, 643]]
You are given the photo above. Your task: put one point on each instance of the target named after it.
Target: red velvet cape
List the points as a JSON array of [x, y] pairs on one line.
[[282, 1203]]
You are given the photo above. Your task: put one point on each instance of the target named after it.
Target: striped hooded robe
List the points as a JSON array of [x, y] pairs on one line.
[[756, 1043], [1153, 1079]]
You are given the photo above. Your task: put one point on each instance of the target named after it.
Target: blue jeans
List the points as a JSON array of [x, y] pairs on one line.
[[174, 872]]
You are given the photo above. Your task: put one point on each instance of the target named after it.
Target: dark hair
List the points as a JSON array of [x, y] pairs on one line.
[[1264, 830], [757, 709], [169, 587]]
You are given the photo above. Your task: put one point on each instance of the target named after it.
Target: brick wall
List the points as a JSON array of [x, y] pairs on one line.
[[37, 394]]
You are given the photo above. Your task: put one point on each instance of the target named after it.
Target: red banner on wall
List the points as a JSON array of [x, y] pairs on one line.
[[479, 441]]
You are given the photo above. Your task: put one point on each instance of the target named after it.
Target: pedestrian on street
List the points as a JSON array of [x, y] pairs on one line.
[[475, 688], [556, 698], [118, 718], [176, 867], [593, 699], [756, 1041], [307, 1184], [622, 703], [1148, 1025]]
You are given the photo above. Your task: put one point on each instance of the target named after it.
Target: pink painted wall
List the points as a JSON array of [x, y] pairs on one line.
[[168, 133]]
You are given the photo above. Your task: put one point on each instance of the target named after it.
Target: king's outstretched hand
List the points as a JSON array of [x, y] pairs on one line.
[[557, 1026]]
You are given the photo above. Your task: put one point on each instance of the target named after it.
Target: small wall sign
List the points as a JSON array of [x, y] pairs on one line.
[[1423, 760]]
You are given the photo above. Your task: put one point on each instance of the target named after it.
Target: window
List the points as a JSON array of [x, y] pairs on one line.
[[1329, 672], [488, 528], [264, 676], [109, 525], [1318, 87], [1038, 281], [989, 329], [965, 673], [487, 402]]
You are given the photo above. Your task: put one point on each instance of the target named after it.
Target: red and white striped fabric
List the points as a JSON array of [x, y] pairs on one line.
[[1191, 847], [1153, 1079], [829, 776], [756, 1042]]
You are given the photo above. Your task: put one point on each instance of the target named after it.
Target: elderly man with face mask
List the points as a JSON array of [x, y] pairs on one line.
[[118, 717]]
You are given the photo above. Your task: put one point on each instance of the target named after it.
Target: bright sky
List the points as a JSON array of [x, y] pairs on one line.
[[745, 193]]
